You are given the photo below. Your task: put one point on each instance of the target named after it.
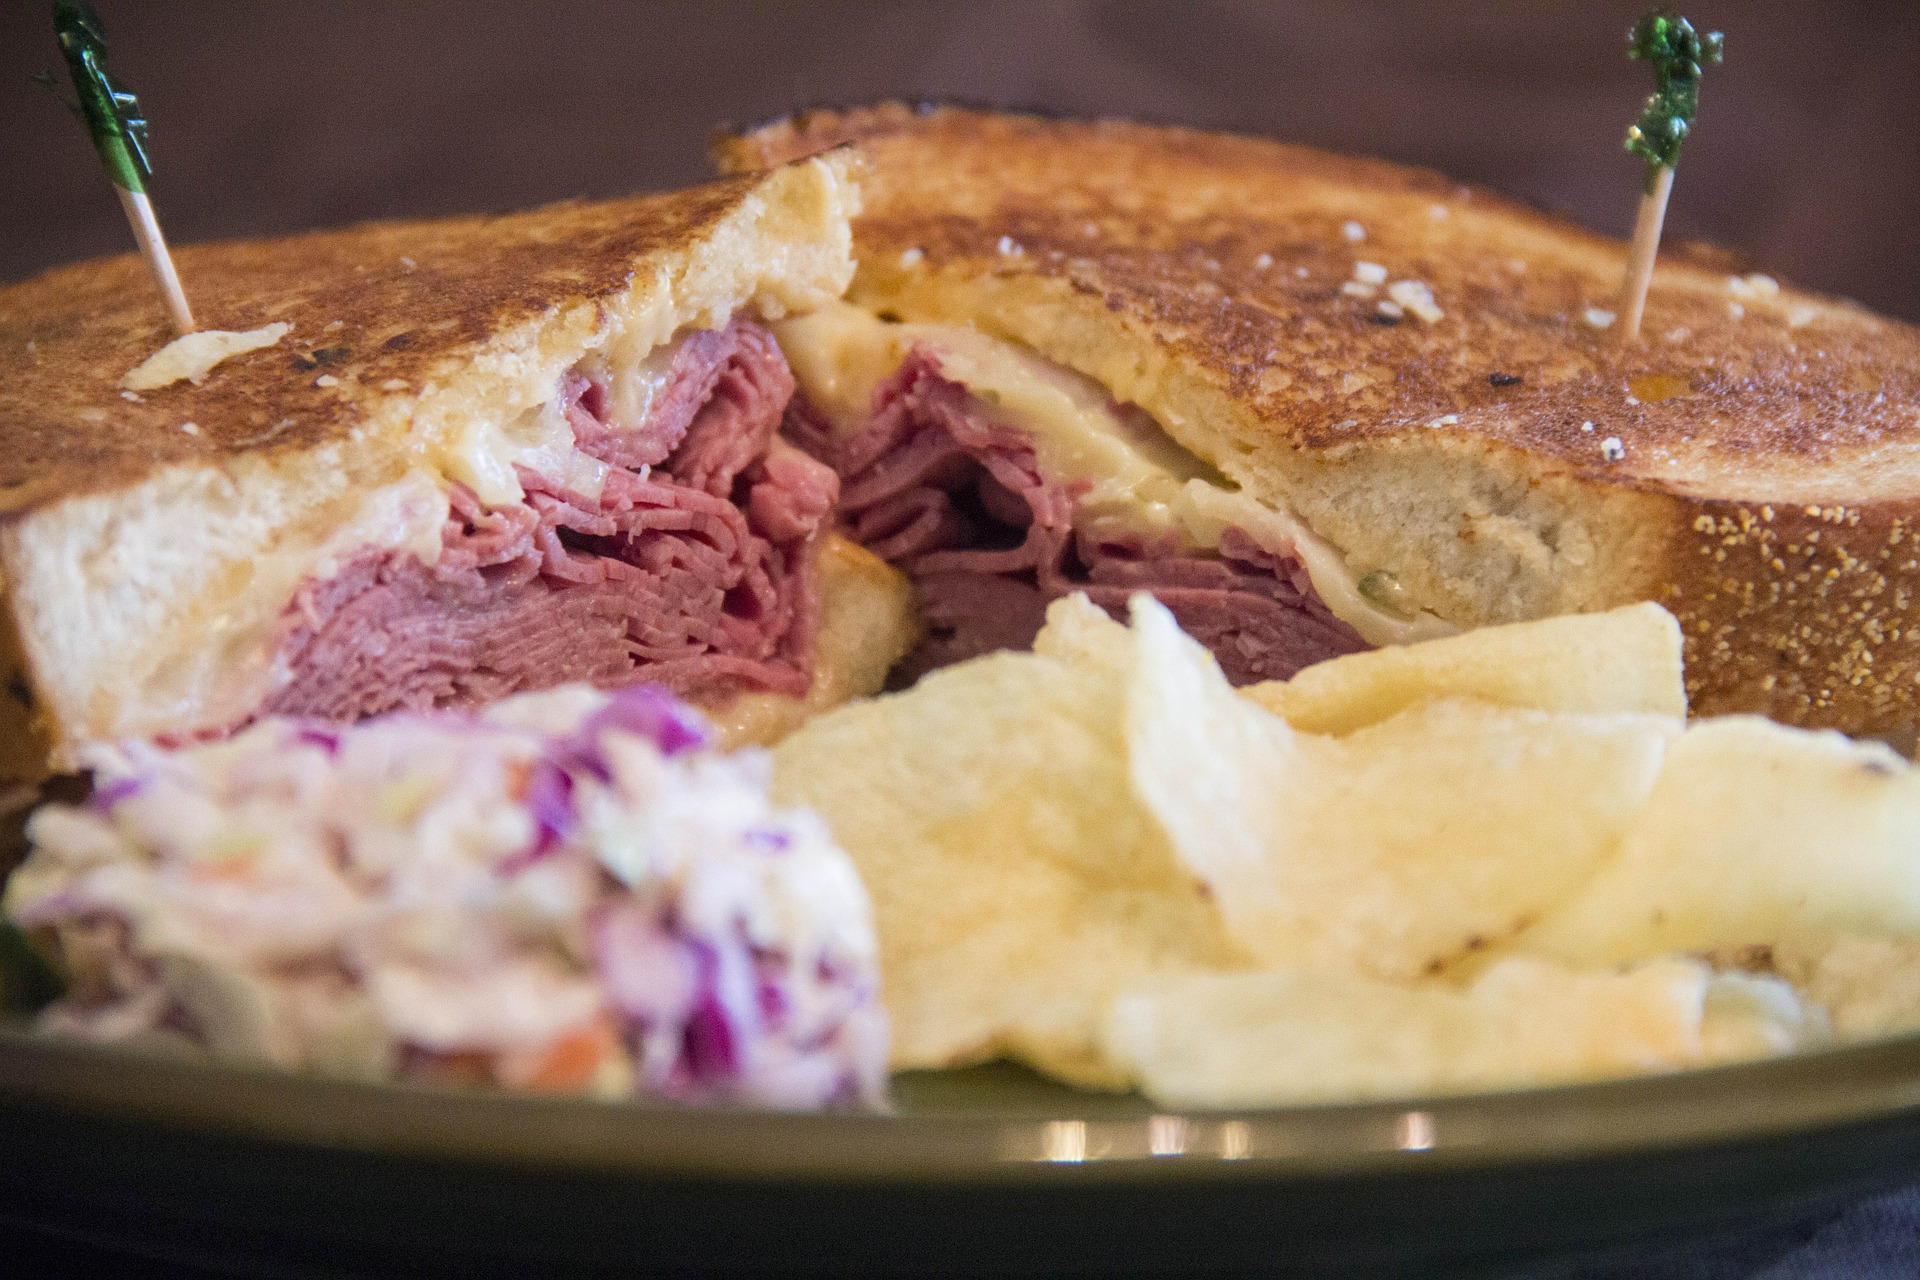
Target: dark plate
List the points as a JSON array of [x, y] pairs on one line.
[[991, 1170]]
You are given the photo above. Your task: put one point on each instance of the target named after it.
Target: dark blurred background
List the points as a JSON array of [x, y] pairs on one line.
[[274, 117]]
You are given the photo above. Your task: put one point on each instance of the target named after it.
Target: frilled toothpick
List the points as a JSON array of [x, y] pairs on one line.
[[1678, 55], [119, 132]]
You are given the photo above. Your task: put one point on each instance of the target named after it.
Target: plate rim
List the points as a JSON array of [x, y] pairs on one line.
[[1830, 1089]]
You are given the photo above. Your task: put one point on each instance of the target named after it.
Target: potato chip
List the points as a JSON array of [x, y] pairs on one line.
[[1217, 772], [1392, 851], [1625, 660], [1016, 882], [1041, 832], [1296, 1036], [1081, 633], [1753, 833], [1869, 986]]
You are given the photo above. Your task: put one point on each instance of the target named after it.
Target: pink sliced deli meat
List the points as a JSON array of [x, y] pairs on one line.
[[934, 485], [692, 569]]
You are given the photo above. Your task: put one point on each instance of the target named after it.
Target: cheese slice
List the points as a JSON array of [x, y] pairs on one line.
[[1138, 480], [482, 446]]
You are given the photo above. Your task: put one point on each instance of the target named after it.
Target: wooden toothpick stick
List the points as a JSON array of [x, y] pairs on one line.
[[1678, 55], [1646, 247], [119, 132]]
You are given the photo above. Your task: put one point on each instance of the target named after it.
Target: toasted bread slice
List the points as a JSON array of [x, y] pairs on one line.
[[151, 542], [1428, 375]]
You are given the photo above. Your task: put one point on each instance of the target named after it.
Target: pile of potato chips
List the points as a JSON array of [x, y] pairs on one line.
[[1497, 860]]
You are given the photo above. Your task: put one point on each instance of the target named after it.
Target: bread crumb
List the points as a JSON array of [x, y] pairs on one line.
[[1803, 314], [1262, 262], [1586, 426], [194, 355], [1369, 273], [1416, 297], [1735, 310], [326, 380], [407, 262], [1355, 289], [911, 257], [1598, 317], [191, 428], [93, 415], [1388, 307], [1754, 287], [395, 384], [1612, 450], [133, 396], [1446, 420], [1353, 231], [331, 325], [1009, 247], [1680, 334]]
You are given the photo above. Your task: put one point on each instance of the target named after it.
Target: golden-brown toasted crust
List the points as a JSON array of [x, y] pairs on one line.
[[1804, 613], [1696, 453], [1169, 228], [378, 311]]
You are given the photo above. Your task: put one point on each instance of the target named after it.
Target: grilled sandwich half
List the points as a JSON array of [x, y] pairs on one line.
[[1319, 403], [443, 461]]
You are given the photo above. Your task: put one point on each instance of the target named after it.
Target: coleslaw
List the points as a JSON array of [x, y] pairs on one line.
[[570, 892]]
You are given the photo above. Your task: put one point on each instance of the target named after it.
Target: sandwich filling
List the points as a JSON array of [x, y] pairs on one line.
[[661, 531], [1000, 482]]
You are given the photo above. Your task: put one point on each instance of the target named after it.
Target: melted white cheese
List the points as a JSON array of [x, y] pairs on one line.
[[485, 454], [635, 378], [1140, 482], [634, 354], [193, 355]]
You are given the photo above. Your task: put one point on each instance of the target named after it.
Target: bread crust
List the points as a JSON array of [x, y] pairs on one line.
[[382, 312], [1511, 457]]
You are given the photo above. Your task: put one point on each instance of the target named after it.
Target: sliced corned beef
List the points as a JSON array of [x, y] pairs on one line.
[[934, 485], [693, 568]]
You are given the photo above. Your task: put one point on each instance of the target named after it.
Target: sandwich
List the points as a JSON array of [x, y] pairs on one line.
[[431, 464], [1317, 404]]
